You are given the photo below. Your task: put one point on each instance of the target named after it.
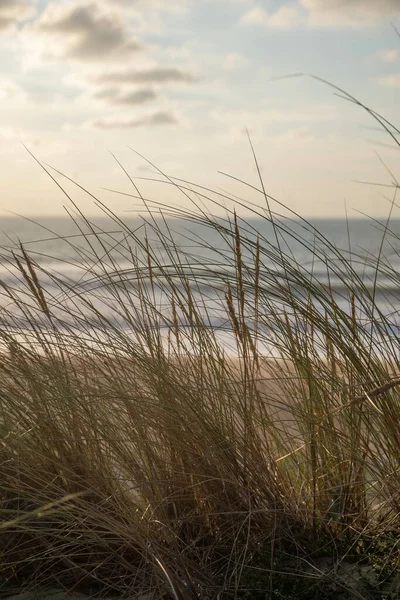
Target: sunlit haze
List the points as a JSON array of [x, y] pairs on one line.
[[180, 82]]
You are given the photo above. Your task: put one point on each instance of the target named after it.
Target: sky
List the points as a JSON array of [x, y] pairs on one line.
[[87, 86]]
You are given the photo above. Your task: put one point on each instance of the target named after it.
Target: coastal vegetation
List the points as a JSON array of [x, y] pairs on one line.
[[142, 459]]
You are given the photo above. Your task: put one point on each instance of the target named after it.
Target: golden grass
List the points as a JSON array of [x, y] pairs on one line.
[[137, 457]]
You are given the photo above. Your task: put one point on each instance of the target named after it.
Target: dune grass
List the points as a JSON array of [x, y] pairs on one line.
[[138, 458]]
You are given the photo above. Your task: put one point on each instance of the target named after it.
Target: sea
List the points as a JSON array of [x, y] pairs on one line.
[[92, 270]]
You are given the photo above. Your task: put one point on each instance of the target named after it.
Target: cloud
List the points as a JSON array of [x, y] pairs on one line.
[[150, 75], [14, 11], [314, 114], [349, 12], [255, 16], [161, 117], [176, 6], [228, 1], [391, 80], [114, 95], [316, 13], [83, 32], [233, 62], [285, 17], [296, 134], [8, 90], [389, 55], [48, 92]]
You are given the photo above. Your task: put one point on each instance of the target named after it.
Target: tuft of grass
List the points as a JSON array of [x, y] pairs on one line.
[[167, 467]]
